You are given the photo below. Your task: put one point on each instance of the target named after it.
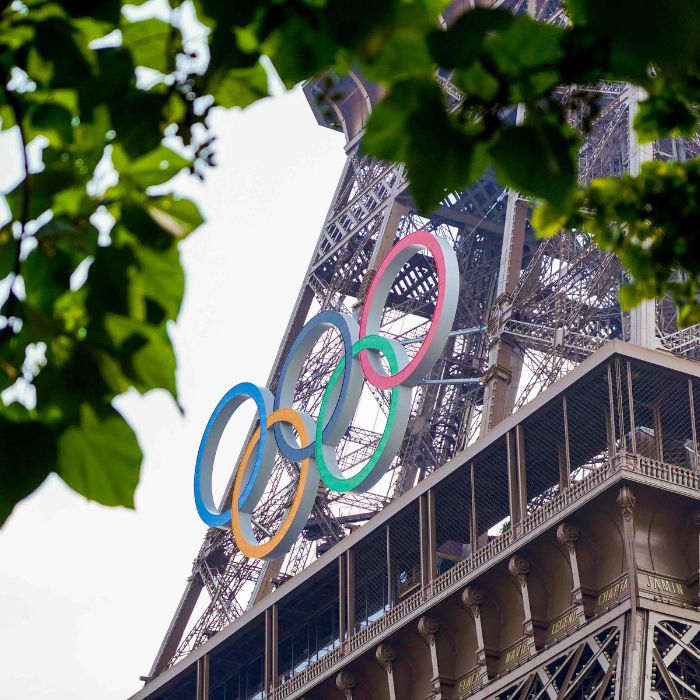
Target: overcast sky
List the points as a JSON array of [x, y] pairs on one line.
[[87, 592]]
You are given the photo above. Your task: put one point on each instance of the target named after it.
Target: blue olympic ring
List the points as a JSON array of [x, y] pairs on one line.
[[253, 488], [338, 421]]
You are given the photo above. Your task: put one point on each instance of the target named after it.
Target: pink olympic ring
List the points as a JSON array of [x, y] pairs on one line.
[[445, 308]]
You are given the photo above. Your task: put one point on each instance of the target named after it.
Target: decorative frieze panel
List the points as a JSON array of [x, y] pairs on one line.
[[612, 594], [663, 587]]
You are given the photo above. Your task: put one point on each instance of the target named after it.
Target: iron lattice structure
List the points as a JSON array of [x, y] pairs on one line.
[[529, 311]]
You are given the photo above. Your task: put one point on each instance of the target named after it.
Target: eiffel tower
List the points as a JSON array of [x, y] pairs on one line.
[[530, 312]]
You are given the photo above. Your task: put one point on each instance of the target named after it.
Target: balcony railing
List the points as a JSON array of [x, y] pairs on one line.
[[623, 462]]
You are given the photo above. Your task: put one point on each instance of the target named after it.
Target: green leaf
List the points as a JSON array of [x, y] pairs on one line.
[[138, 136], [114, 284], [548, 220], [100, 458], [663, 115], [148, 42], [154, 168], [175, 108], [8, 252], [145, 352], [461, 158], [237, 87], [28, 456], [46, 277], [476, 81], [231, 14], [664, 34], [161, 277], [411, 125], [526, 45], [297, 43], [538, 161], [364, 31], [177, 216], [76, 238], [630, 296], [43, 186], [71, 377], [7, 117], [52, 121], [388, 132], [58, 42], [112, 84], [107, 11], [462, 43], [395, 45], [15, 36]]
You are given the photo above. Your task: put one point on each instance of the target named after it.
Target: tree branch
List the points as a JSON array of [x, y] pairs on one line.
[[16, 107]]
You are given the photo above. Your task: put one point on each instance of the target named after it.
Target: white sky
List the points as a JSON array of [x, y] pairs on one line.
[[87, 592]]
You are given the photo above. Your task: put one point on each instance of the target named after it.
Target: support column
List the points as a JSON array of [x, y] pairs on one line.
[[350, 590], [634, 637], [202, 679], [274, 658], [610, 423], [519, 568], [473, 521], [642, 317], [693, 428], [565, 453], [658, 433], [514, 493], [621, 422], [521, 469], [205, 677], [386, 656], [432, 535], [626, 500], [630, 400], [342, 601], [428, 627], [568, 535], [267, 655], [389, 578], [472, 599], [428, 557], [505, 361], [696, 519]]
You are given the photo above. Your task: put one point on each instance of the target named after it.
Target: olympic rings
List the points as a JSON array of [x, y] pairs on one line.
[[396, 423], [203, 497], [302, 503], [313, 447], [340, 417], [445, 308]]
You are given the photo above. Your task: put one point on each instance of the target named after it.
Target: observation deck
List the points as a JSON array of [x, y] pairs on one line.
[[555, 557]]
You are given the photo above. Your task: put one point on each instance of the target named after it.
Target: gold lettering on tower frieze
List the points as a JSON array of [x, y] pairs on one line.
[[515, 653], [663, 585], [467, 684], [613, 592], [563, 623]]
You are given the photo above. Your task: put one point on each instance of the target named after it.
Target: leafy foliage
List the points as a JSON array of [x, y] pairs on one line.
[[116, 100], [651, 221], [90, 251]]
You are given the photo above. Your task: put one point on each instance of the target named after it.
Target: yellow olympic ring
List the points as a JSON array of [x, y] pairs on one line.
[[304, 495]]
